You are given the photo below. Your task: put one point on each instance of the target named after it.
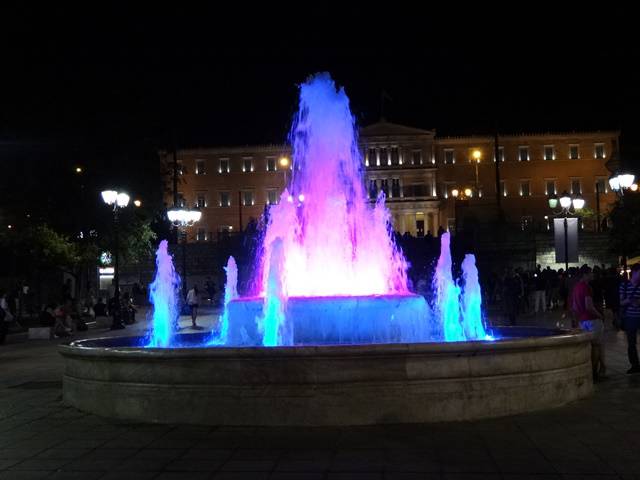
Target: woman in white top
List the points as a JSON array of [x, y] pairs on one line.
[[192, 301]]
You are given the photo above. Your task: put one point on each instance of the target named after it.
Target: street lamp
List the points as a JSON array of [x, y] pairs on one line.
[[183, 218], [619, 182], [284, 163], [459, 196], [116, 200], [569, 205], [477, 156]]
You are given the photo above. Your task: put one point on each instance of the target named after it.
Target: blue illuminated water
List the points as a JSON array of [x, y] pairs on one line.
[[164, 296]]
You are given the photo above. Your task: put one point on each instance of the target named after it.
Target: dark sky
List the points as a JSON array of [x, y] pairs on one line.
[[111, 87]]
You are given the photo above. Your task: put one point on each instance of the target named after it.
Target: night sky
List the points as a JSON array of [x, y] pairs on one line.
[[108, 91]]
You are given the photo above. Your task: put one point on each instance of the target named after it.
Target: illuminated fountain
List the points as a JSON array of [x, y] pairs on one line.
[[331, 334]]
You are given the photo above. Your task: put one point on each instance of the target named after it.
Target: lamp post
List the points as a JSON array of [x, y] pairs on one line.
[[477, 156], [183, 218], [569, 205], [620, 182], [116, 200]]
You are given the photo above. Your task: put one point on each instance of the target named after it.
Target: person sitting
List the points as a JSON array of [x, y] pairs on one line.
[[100, 309]]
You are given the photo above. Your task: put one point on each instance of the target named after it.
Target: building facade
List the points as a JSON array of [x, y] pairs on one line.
[[417, 171]]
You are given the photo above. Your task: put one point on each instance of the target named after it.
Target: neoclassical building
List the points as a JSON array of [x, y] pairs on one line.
[[417, 170]]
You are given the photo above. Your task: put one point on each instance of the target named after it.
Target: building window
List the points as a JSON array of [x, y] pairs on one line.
[[224, 199], [384, 157], [500, 154], [416, 157], [601, 185], [574, 152], [202, 201], [201, 236], [576, 187], [247, 198], [272, 197], [200, 167], [550, 187], [449, 156], [180, 167], [503, 188], [247, 165], [224, 166], [371, 157], [182, 202], [271, 164], [525, 189], [373, 189], [599, 152], [384, 186], [523, 154], [549, 152], [395, 187], [395, 156]]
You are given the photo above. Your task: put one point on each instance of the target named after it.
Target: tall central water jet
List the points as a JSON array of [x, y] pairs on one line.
[[334, 243]]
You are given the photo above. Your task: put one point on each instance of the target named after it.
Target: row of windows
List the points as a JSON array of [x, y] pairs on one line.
[[386, 156], [523, 155], [223, 165], [550, 187], [224, 199]]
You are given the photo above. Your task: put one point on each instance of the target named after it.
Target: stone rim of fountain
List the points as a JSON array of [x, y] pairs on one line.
[[91, 347]]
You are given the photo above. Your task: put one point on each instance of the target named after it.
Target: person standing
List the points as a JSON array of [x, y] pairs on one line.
[[630, 313], [589, 319], [192, 301]]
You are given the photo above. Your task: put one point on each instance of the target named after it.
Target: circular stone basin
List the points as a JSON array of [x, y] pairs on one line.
[[527, 369]]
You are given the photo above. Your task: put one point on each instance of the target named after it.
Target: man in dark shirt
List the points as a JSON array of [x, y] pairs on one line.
[[630, 311]]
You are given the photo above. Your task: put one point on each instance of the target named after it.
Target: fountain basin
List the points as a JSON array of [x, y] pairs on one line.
[[527, 369], [338, 320]]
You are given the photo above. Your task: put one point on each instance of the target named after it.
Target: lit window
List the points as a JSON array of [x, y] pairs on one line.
[[384, 157], [549, 152], [500, 154], [523, 154], [503, 188], [525, 189], [416, 157], [574, 152], [550, 187], [181, 200], [201, 236], [247, 198], [372, 157], [449, 156], [601, 185], [247, 165], [202, 201], [272, 197], [599, 151], [200, 167], [224, 199], [271, 164], [224, 165], [395, 156], [576, 187], [180, 167]]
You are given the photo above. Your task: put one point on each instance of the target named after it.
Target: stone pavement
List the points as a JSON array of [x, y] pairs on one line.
[[596, 438]]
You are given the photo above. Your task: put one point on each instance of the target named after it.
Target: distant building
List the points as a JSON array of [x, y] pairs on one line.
[[418, 172]]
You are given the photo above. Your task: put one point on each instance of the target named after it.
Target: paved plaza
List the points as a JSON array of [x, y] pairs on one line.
[[597, 438]]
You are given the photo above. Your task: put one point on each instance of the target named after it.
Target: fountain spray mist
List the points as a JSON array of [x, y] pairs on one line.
[[334, 242], [472, 300], [447, 306], [230, 293], [164, 296]]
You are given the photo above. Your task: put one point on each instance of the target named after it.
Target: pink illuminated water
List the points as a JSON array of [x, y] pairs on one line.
[[334, 242]]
